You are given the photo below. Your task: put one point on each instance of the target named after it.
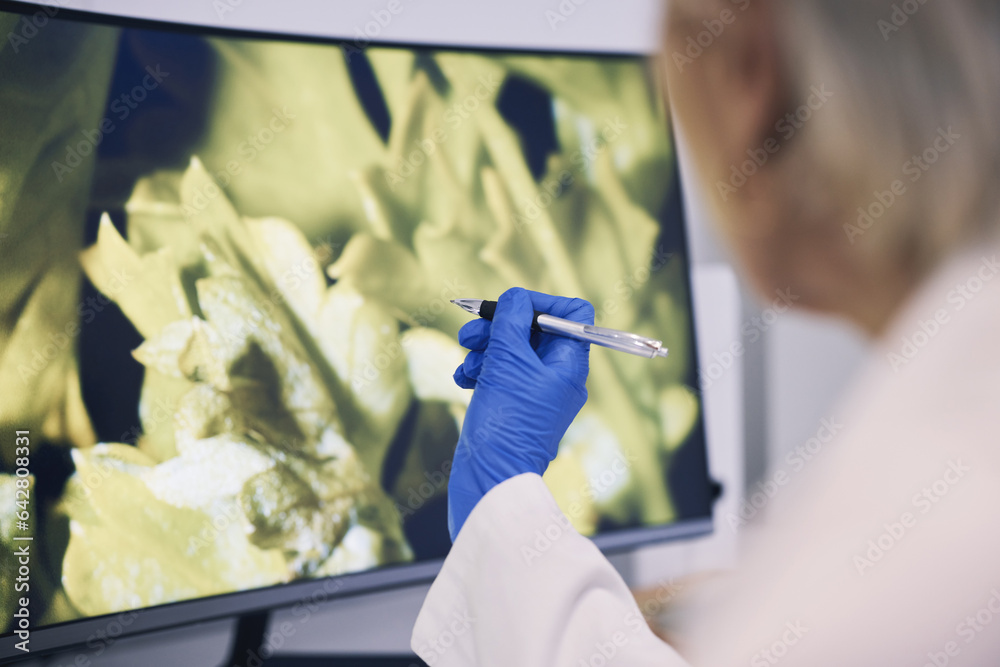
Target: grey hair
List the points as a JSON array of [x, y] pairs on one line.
[[902, 72]]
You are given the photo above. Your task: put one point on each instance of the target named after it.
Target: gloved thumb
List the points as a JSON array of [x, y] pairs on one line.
[[512, 320]]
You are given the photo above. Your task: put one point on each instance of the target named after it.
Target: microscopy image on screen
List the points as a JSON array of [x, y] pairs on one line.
[[225, 318]]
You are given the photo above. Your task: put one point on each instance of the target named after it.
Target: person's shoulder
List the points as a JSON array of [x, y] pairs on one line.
[[938, 367]]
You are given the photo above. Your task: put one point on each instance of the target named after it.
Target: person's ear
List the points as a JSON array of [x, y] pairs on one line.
[[725, 82]]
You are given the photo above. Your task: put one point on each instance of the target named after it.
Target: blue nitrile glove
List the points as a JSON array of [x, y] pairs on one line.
[[528, 386]]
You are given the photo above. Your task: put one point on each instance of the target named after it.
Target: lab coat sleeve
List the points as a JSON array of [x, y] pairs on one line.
[[521, 587]]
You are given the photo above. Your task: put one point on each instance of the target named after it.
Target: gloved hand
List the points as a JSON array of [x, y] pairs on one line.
[[528, 386]]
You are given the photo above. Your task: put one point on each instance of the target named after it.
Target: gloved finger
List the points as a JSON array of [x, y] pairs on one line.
[[512, 322], [569, 358], [461, 380], [577, 310], [472, 365], [475, 335]]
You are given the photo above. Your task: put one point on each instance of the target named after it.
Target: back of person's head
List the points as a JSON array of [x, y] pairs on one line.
[[908, 74], [898, 158]]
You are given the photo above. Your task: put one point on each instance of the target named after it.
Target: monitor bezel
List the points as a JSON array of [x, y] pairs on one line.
[[68, 635]]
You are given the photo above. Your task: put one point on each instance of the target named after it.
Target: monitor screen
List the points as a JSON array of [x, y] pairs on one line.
[[227, 341]]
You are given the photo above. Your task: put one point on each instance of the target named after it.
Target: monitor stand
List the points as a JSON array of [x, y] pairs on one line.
[[249, 638]]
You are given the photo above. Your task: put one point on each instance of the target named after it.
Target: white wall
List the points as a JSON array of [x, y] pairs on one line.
[[812, 361]]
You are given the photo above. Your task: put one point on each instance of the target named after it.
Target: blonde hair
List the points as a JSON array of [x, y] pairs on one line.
[[901, 72]]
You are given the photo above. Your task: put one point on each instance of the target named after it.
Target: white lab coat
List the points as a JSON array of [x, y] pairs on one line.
[[882, 549]]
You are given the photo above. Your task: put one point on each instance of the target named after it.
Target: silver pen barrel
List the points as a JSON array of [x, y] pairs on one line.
[[610, 338]]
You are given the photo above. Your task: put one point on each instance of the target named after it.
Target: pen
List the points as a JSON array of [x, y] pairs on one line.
[[550, 324]]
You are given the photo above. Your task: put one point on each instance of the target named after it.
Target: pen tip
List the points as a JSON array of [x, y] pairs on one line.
[[468, 305]]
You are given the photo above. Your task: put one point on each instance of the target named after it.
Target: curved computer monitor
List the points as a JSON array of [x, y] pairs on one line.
[[228, 339]]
